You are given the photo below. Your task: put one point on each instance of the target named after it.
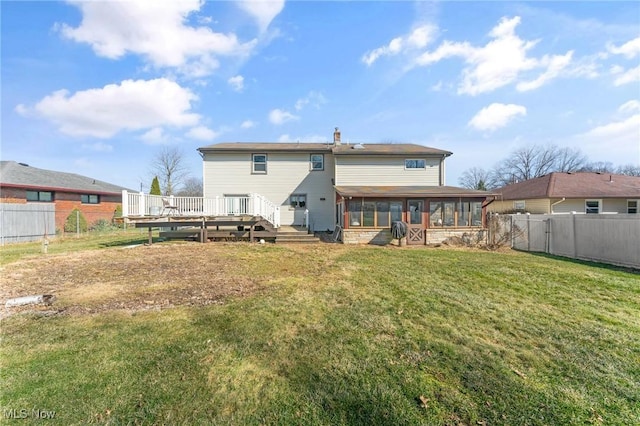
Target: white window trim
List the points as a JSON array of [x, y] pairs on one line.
[[311, 163], [637, 206], [253, 164], [516, 205], [599, 201], [415, 168]]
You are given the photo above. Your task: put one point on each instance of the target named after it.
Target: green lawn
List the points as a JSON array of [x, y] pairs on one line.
[[345, 335]]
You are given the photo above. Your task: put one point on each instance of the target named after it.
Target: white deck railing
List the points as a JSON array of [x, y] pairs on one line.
[[138, 204]]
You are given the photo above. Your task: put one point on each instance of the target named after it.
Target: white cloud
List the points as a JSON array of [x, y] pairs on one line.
[[263, 11], [500, 62], [22, 110], [154, 136], [554, 64], [629, 49], [98, 147], [236, 83], [315, 99], [496, 116], [130, 105], [157, 30], [616, 141], [419, 38], [247, 124], [278, 116], [624, 77], [629, 106], [201, 133]]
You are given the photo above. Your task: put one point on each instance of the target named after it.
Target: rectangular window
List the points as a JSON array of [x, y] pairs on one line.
[[470, 213], [374, 214], [90, 199], [298, 201], [396, 211], [519, 205], [355, 213], [368, 213], [415, 211], [415, 164], [259, 163], [632, 206], [317, 161], [382, 214], [449, 213], [42, 196], [592, 206], [435, 213]]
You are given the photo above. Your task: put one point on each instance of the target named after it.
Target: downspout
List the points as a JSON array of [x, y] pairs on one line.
[[556, 203]]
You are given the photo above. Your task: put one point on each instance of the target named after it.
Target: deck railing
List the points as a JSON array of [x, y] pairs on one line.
[[138, 204]]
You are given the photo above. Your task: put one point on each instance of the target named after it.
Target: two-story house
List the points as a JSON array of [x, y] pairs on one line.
[[362, 188]]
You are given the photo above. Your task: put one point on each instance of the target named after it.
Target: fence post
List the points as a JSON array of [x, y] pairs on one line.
[[528, 231], [573, 238]]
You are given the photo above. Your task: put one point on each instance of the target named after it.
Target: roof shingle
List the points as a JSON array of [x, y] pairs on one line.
[[21, 175], [574, 185]]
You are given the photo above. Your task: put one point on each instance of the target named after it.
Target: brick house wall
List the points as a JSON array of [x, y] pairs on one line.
[[65, 202]]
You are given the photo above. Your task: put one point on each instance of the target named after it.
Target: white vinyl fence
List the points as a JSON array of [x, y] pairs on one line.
[[608, 238], [26, 222]]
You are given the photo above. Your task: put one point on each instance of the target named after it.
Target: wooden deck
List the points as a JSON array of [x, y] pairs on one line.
[[221, 228]]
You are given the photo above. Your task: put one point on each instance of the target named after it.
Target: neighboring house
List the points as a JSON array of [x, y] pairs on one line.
[[22, 184], [362, 188], [570, 192]]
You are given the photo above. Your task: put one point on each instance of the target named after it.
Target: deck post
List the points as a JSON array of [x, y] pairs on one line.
[[251, 233], [125, 203], [150, 236]]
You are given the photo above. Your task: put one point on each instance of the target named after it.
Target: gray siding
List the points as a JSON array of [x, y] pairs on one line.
[[287, 173], [385, 170]]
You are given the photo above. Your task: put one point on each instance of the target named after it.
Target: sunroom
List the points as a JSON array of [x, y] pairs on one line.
[[432, 214]]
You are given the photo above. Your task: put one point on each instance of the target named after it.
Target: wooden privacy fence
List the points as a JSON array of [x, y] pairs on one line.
[[26, 222], [608, 238]]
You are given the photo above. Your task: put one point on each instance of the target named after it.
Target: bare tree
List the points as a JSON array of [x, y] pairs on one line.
[[535, 161], [476, 178], [599, 167], [192, 188], [629, 170], [168, 165], [569, 160]]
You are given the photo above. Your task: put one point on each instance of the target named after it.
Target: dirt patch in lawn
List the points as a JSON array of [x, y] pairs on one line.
[[137, 278]]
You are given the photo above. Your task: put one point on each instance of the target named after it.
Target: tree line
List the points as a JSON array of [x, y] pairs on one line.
[[534, 161]]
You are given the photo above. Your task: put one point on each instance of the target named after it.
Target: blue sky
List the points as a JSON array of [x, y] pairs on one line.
[[99, 88]]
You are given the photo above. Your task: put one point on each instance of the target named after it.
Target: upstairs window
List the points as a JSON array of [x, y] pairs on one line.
[[317, 161], [592, 206], [90, 199], [259, 163], [632, 206], [42, 196], [415, 164]]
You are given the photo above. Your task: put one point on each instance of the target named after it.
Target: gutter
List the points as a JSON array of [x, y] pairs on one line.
[[556, 203]]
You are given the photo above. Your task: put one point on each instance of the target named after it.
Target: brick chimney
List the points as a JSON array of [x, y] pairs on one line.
[[336, 137]]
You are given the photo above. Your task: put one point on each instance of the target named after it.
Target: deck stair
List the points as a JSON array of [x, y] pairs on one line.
[[295, 235]]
